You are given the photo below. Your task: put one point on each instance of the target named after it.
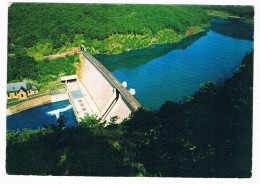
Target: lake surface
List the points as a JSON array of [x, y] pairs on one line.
[[171, 72], [37, 117]]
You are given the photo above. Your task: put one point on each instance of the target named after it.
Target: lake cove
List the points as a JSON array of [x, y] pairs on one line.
[[171, 72]]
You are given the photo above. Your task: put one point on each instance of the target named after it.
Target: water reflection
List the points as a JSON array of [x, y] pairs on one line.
[[232, 28]]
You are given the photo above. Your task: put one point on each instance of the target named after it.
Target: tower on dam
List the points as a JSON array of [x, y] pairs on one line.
[[99, 92]]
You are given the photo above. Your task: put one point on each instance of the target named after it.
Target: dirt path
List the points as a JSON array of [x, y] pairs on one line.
[[80, 66], [189, 32], [68, 52]]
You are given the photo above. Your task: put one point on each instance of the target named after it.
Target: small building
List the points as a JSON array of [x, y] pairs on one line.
[[69, 78], [20, 90]]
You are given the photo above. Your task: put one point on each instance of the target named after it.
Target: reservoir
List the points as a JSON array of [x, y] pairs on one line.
[[159, 73], [171, 72], [37, 117]]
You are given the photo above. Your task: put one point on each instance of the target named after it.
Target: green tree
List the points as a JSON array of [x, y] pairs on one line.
[[62, 121], [90, 121]]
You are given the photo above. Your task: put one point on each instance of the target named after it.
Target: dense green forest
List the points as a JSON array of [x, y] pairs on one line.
[[60, 23], [207, 135]]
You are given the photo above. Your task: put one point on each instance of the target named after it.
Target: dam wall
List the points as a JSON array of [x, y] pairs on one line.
[[110, 96], [98, 87], [120, 109]]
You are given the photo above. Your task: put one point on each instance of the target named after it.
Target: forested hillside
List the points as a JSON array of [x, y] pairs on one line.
[[60, 23], [208, 135]]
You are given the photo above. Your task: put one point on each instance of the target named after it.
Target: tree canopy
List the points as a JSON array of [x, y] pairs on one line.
[[30, 23]]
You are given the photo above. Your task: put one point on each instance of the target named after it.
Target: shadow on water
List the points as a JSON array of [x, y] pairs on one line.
[[233, 28], [139, 57]]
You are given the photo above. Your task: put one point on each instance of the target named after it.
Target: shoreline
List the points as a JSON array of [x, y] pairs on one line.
[[202, 28], [205, 29], [248, 21]]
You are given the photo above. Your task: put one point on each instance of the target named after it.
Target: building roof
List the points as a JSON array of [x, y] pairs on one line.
[[69, 77], [34, 88], [15, 87]]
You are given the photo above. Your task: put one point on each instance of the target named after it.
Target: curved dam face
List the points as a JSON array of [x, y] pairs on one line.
[[98, 87], [101, 93]]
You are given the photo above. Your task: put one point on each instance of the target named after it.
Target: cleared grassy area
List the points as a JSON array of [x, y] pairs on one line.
[[12, 100], [219, 13]]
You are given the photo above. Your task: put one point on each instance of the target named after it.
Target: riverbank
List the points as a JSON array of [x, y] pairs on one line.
[[30, 103], [119, 43]]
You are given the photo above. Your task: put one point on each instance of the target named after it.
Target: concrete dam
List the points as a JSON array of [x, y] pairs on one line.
[[99, 92]]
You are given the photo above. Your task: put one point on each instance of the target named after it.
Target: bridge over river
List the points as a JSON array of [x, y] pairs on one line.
[[99, 92]]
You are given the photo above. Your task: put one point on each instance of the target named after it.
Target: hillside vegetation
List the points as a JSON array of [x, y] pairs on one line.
[[40, 72], [55, 26], [208, 135]]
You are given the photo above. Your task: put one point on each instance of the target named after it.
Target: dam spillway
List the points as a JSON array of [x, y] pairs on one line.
[[99, 92]]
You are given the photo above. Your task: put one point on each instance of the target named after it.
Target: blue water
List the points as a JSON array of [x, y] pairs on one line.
[[171, 72], [37, 117]]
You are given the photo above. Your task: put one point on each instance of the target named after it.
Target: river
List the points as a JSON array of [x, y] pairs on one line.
[[171, 72]]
